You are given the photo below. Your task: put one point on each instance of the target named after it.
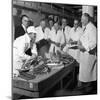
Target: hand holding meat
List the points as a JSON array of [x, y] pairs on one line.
[[80, 46]]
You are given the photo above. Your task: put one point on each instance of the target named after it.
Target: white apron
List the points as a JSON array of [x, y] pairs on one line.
[[88, 62], [88, 67]]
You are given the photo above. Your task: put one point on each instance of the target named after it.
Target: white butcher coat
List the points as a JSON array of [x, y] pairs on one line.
[[40, 34], [75, 36], [47, 32], [88, 67], [20, 45], [66, 36], [58, 38]]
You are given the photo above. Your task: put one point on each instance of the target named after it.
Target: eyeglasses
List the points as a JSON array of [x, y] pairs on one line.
[[75, 23]]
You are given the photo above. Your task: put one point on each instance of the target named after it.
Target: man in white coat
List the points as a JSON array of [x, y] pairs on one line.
[[75, 34], [20, 46], [41, 34], [49, 28], [65, 29], [56, 38], [87, 46]]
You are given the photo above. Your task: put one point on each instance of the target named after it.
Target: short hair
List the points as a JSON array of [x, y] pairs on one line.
[[87, 15], [31, 23], [57, 22], [43, 20], [64, 18], [50, 20], [24, 16], [76, 19]]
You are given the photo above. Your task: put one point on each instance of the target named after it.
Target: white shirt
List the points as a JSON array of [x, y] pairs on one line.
[[75, 34], [47, 32], [88, 39], [56, 37], [66, 32], [24, 27], [40, 34], [21, 44]]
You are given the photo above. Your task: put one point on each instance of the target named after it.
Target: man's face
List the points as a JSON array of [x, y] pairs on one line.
[[32, 36], [84, 20], [55, 18], [76, 23], [51, 23], [56, 26], [64, 23], [25, 21], [43, 24]]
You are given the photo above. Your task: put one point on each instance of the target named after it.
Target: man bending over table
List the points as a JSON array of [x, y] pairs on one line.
[[24, 48]]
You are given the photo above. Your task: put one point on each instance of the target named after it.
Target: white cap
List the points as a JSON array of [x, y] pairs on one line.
[[31, 29]]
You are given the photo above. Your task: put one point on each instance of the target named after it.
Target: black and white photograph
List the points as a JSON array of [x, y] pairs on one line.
[[54, 49]]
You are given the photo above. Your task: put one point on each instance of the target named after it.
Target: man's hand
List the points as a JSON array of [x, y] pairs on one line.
[[49, 40], [63, 45], [34, 56], [57, 44], [53, 42], [31, 58], [70, 41], [80, 46], [74, 43]]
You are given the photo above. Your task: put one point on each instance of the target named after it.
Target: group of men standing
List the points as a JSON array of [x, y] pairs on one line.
[[62, 38]]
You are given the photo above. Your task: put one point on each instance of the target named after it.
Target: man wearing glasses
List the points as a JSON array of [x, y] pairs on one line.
[[74, 36]]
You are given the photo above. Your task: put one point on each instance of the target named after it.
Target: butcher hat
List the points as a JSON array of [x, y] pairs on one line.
[[31, 29]]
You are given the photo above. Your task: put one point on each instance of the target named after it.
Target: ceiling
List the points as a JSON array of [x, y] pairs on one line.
[[71, 9], [66, 10]]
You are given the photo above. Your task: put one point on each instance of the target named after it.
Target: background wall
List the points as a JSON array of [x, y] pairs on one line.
[[34, 16]]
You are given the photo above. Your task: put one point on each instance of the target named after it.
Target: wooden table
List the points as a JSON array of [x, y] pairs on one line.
[[39, 86]]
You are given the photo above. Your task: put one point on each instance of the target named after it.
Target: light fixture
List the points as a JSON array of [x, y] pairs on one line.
[[63, 10], [39, 8]]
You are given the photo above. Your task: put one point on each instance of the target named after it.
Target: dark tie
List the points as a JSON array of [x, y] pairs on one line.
[[31, 44], [84, 29], [54, 50], [64, 34], [63, 30], [43, 30]]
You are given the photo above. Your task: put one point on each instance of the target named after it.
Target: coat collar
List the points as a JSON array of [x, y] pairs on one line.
[[27, 38], [24, 27]]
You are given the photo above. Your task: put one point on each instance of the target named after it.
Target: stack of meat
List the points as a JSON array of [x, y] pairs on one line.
[[34, 67], [66, 59]]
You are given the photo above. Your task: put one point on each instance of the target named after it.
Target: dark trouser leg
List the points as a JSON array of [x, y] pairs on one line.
[[87, 87]]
